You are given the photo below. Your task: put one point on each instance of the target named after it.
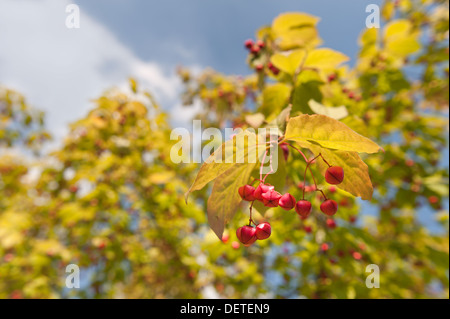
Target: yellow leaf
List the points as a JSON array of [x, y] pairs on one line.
[[397, 28], [275, 97], [243, 147], [327, 132], [295, 29], [290, 20], [288, 63], [356, 173], [404, 46], [161, 177], [324, 58], [224, 199]]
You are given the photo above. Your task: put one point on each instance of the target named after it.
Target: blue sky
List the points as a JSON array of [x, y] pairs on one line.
[[60, 70], [211, 33]]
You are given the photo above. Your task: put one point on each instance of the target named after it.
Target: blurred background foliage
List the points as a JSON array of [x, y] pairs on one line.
[[111, 200]]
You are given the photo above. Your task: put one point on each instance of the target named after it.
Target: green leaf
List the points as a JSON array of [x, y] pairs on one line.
[[275, 97], [281, 120], [305, 92], [327, 132]]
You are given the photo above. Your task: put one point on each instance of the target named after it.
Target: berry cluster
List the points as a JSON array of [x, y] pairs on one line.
[[256, 49], [267, 194], [247, 235]]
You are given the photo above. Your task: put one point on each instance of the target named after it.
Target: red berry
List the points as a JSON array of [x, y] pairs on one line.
[[331, 223], [261, 189], [433, 199], [287, 201], [308, 229], [259, 67], [409, 162], [332, 77], [271, 198], [260, 44], [275, 70], [332, 189], [235, 245], [303, 208], [248, 44], [254, 49], [285, 150], [352, 219], [246, 235], [329, 207], [334, 175], [263, 231], [310, 188], [225, 238], [8, 257], [356, 255], [324, 247], [73, 188], [247, 193]]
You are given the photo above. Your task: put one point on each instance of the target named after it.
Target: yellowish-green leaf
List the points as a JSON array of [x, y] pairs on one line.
[[400, 38], [240, 149], [288, 63], [280, 120], [356, 173], [404, 46], [325, 58], [327, 132], [397, 28], [275, 97], [296, 29], [162, 177], [225, 199], [291, 20]]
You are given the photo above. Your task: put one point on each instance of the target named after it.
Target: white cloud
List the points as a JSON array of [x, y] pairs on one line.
[[60, 70]]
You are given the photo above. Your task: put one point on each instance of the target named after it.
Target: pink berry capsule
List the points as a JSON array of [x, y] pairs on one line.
[[303, 208], [271, 198], [329, 207], [287, 201], [261, 189], [247, 193], [334, 175], [331, 223], [246, 235], [263, 231]]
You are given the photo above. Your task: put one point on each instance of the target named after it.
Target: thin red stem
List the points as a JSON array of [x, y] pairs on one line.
[[250, 221]]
